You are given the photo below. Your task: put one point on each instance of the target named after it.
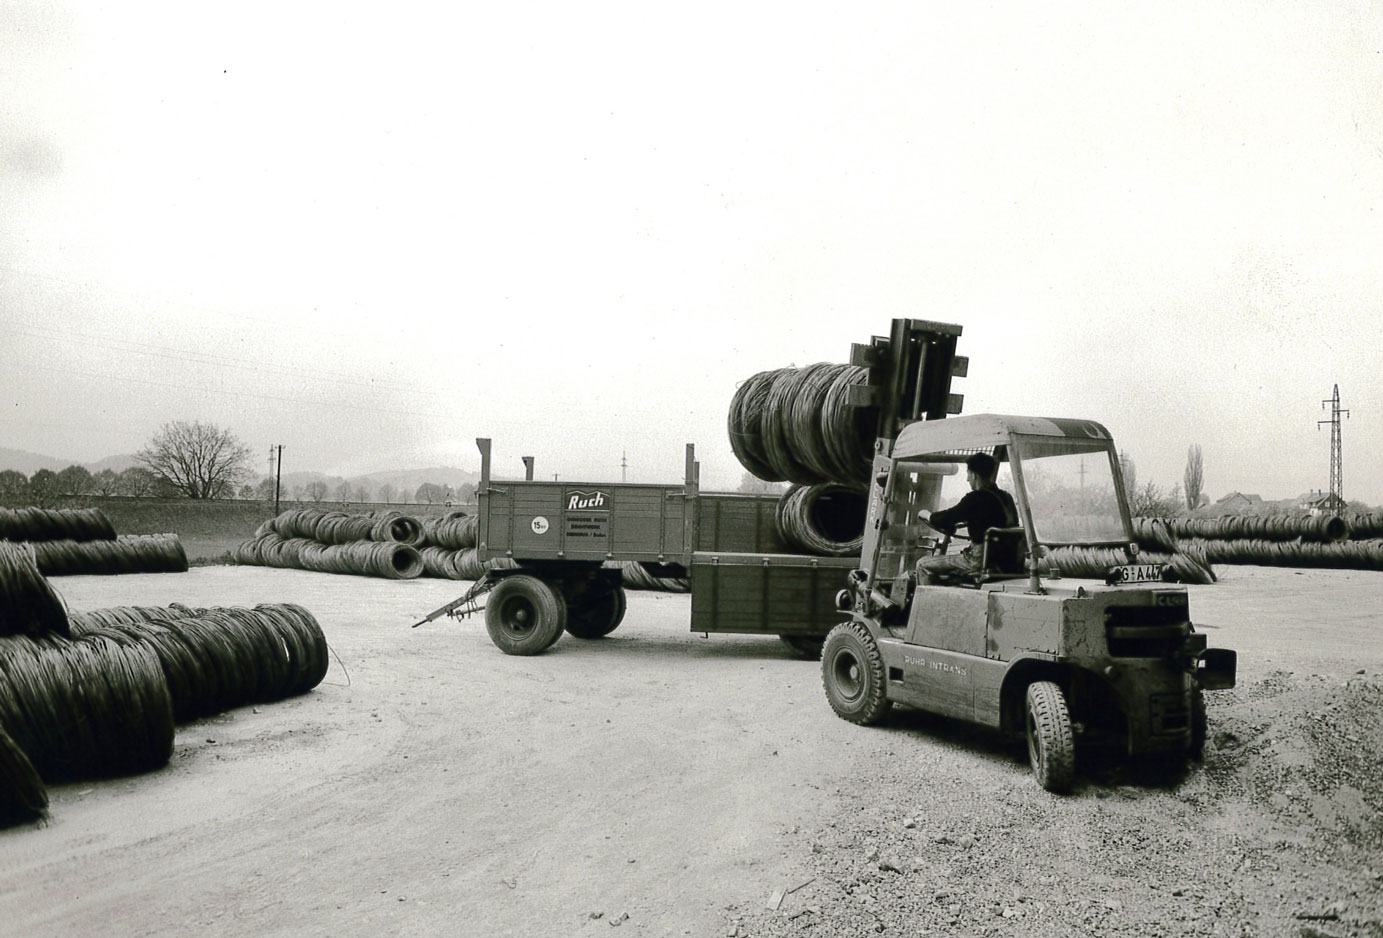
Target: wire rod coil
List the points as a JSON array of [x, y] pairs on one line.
[[55, 524], [826, 519], [28, 603]]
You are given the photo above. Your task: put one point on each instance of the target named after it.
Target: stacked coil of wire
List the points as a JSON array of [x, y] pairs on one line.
[[23, 796], [826, 519], [440, 562], [1094, 562], [454, 531], [88, 707], [55, 524], [140, 553], [338, 527], [469, 566], [389, 559], [216, 659], [1265, 527], [1365, 524], [28, 603], [637, 577], [797, 425]]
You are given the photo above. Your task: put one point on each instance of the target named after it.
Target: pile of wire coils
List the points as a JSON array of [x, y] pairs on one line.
[[1321, 540], [71, 541], [388, 544], [96, 694], [797, 425]]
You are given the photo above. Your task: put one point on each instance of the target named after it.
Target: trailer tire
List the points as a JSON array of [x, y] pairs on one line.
[[852, 673], [524, 615], [599, 615], [808, 646], [1051, 744]]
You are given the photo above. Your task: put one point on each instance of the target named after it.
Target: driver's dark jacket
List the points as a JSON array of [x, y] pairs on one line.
[[980, 510]]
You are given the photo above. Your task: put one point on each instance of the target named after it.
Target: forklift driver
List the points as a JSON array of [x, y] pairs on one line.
[[985, 506]]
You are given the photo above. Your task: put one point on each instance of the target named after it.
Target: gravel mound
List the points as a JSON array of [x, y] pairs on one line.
[[1278, 832]]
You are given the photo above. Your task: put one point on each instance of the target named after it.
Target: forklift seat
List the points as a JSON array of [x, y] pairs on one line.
[[1005, 553]]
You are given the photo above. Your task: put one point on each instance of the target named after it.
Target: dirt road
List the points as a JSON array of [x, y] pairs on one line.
[[669, 784]]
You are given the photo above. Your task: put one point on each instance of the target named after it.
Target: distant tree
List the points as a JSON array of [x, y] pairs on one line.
[[43, 487], [13, 484], [200, 460], [73, 481], [137, 482], [315, 490], [264, 491], [247, 491], [386, 493], [1152, 502], [465, 493], [298, 493], [105, 483], [1130, 474], [430, 493], [1191, 479], [362, 493], [753, 485], [343, 492]]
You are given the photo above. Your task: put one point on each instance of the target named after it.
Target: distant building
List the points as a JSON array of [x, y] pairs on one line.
[[1327, 504], [1237, 503]]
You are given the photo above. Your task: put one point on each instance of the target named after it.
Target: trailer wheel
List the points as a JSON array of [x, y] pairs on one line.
[[1051, 744], [852, 672], [1199, 726], [598, 616], [524, 615], [808, 646]]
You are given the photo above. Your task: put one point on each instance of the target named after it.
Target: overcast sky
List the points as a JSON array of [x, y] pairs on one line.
[[373, 232]]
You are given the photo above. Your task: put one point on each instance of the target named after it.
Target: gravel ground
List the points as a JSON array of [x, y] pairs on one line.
[[663, 783]]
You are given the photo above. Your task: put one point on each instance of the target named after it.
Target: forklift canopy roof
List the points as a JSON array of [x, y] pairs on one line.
[[985, 431]]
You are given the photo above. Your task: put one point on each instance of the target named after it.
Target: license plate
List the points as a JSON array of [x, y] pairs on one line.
[[1136, 573]]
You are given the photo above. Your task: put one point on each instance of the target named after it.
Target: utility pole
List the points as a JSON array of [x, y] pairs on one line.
[[278, 476], [624, 466], [1337, 458]]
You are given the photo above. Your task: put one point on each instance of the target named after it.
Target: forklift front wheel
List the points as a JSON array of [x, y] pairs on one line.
[[852, 671], [1051, 744], [524, 615]]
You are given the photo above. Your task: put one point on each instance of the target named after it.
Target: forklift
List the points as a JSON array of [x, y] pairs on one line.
[[1011, 645]]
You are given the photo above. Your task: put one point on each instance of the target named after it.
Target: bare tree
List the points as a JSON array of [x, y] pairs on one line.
[[137, 482], [1130, 474], [1192, 479], [74, 480], [106, 482], [386, 493], [43, 487], [1152, 502], [343, 492], [315, 490], [200, 460], [13, 484], [430, 492], [265, 490]]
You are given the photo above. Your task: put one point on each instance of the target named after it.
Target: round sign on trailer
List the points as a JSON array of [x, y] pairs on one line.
[[540, 525]]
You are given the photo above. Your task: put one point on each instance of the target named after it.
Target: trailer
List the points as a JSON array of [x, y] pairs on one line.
[[555, 548]]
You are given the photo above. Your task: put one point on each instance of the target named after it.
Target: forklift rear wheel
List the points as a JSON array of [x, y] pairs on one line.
[[852, 671], [599, 615], [1199, 726], [808, 646], [524, 615], [1051, 744]]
